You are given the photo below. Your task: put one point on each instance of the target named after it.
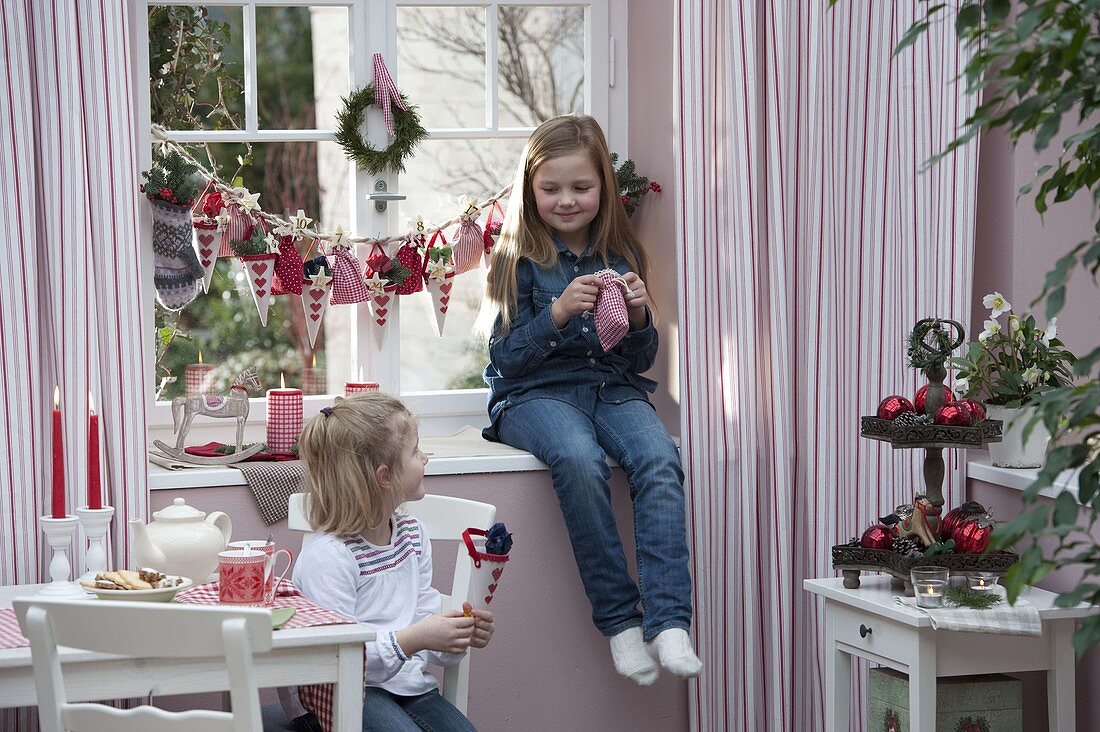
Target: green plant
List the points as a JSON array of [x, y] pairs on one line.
[[254, 243], [966, 597], [1013, 364], [1035, 62], [170, 178], [632, 187]]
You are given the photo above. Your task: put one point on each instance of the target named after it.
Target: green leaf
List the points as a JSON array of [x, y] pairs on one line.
[[911, 36], [1065, 510], [969, 17]]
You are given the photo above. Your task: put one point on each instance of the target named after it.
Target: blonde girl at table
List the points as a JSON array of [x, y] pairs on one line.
[[362, 460]]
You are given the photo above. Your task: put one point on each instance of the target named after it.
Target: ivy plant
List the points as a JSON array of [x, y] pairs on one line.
[[1036, 65]]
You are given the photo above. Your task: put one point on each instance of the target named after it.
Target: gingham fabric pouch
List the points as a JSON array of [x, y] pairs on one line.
[[348, 286], [612, 322]]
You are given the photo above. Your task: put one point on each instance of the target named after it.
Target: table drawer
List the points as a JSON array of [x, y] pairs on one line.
[[869, 633]]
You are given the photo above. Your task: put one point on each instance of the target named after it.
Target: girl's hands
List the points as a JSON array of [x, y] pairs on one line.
[[636, 304], [450, 632], [578, 297], [484, 625]]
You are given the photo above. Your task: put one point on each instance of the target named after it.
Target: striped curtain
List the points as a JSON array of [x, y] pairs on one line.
[[812, 242], [70, 294]]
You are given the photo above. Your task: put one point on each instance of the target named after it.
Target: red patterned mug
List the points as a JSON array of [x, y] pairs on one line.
[[243, 576], [268, 548]]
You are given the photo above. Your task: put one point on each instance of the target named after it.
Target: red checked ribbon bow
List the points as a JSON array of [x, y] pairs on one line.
[[385, 91]]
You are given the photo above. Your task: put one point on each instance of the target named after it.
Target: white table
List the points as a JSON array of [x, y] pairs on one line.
[[866, 622], [319, 654]]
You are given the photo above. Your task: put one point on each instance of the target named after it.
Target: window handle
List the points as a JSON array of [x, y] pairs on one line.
[[381, 198]]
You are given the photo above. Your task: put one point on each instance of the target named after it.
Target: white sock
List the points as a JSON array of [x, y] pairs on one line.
[[628, 650], [673, 648]]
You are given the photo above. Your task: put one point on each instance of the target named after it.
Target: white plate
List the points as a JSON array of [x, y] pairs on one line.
[[158, 594]]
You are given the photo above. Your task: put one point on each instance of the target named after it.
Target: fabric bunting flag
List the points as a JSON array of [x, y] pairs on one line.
[[205, 235], [439, 275], [316, 286], [260, 269]]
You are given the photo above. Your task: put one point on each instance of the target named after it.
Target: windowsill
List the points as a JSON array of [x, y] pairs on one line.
[[979, 468]]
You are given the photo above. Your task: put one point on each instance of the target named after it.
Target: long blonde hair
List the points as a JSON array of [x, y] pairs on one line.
[[341, 448], [525, 234]]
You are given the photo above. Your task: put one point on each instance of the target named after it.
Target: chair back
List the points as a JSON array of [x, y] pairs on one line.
[[143, 630], [444, 519]]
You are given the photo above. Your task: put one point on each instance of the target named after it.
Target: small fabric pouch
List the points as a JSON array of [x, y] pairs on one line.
[[612, 321], [469, 243], [348, 286]]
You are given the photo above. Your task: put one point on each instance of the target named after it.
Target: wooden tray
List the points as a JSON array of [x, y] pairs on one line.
[[854, 559]]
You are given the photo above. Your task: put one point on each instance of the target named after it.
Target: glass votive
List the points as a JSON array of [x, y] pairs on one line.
[[982, 581], [929, 585]]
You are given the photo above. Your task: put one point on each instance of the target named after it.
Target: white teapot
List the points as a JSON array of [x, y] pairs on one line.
[[181, 540]]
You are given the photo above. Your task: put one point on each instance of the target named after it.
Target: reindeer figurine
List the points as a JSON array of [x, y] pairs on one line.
[[235, 405]]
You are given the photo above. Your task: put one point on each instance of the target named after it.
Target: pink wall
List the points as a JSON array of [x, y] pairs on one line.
[[1015, 248]]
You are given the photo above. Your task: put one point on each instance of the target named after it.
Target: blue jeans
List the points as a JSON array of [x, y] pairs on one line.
[[387, 712], [573, 443]]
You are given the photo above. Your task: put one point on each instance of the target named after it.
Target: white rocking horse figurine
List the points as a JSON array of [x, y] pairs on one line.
[[235, 405]]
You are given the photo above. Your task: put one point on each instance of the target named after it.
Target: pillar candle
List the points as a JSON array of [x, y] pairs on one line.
[[284, 417], [57, 507], [314, 380], [355, 387], [95, 493], [197, 377]]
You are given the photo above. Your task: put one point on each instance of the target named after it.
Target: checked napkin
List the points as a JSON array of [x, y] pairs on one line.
[[306, 613], [271, 485], [1019, 619]]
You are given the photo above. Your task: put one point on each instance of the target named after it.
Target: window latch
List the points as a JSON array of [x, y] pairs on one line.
[[381, 198]]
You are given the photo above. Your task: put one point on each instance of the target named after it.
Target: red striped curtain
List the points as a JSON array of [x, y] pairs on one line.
[[70, 291], [811, 244]]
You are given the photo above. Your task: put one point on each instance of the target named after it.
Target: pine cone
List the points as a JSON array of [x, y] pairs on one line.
[[907, 419], [925, 419]]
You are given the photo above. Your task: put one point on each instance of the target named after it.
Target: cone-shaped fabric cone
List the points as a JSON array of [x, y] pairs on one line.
[[380, 311], [261, 272], [441, 294], [314, 304], [205, 240]]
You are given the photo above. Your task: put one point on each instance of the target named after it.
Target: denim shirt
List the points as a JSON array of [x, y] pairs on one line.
[[536, 360]]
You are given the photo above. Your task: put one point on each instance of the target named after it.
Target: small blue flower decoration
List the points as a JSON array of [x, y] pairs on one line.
[[498, 540]]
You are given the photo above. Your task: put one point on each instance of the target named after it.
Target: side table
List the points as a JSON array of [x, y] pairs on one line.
[[866, 622]]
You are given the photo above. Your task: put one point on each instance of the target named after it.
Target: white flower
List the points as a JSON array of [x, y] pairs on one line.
[[992, 328], [996, 302], [1014, 331], [1050, 333], [166, 69], [961, 386], [1031, 376]]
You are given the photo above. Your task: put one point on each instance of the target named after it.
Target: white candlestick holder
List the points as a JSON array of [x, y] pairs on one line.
[[59, 533], [95, 522]]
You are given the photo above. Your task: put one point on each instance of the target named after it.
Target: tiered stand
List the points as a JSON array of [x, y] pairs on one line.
[[933, 438]]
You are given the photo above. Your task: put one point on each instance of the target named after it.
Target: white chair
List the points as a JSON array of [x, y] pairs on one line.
[[143, 630], [444, 518]]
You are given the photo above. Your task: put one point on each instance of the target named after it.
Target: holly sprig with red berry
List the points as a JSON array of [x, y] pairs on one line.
[[171, 178], [632, 187]]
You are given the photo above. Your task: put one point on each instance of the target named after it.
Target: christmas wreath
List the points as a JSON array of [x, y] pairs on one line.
[[407, 133]]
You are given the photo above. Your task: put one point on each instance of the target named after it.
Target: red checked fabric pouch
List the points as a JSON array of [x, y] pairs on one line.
[[612, 322]]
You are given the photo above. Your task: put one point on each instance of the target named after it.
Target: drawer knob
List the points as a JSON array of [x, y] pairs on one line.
[[864, 631]]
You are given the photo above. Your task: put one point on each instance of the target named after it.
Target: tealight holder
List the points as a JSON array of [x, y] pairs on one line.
[[59, 533], [929, 585], [982, 581], [94, 522]]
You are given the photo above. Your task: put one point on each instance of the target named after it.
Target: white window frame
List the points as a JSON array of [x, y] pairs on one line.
[[373, 23]]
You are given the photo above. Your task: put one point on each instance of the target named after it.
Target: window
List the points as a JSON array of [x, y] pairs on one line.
[[261, 84]]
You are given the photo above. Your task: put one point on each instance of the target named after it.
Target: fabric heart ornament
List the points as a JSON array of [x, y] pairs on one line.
[[439, 275], [348, 286], [469, 242], [612, 321], [288, 268]]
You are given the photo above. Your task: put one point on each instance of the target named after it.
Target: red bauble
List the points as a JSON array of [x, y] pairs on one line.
[[953, 414], [893, 407], [922, 392], [957, 516], [972, 537], [977, 409], [877, 536]]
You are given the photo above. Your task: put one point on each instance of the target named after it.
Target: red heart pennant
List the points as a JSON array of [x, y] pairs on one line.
[[381, 299], [488, 599], [206, 239], [261, 293], [315, 293], [446, 288], [492, 588], [261, 281], [259, 267], [380, 321], [206, 263], [315, 306], [497, 572], [314, 316], [381, 312]]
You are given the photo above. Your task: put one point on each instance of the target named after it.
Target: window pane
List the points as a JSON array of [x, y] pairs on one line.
[[195, 74], [301, 59], [441, 64], [540, 63], [224, 323], [440, 174]]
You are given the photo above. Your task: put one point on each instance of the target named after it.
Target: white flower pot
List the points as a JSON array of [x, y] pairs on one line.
[[1012, 451]]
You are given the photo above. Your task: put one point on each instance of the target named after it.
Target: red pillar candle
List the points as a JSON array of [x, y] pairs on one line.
[[57, 508], [356, 387], [95, 492], [197, 377], [284, 417]]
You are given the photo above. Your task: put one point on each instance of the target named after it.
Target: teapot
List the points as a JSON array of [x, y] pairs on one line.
[[181, 540]]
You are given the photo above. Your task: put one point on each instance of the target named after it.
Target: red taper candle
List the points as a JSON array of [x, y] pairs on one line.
[[95, 492], [57, 508]]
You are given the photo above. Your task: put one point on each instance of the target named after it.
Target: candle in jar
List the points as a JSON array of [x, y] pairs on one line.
[[284, 417], [930, 594], [197, 377], [57, 507], [95, 492]]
